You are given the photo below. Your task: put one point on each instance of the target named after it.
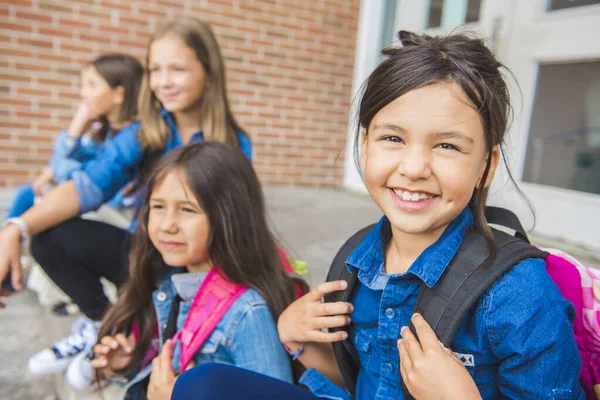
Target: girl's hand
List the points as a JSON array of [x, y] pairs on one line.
[[428, 369], [10, 255], [113, 353], [305, 318], [43, 178], [81, 121], [162, 378]]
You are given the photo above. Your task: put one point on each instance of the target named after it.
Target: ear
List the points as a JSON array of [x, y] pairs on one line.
[[363, 149], [118, 95], [495, 159]]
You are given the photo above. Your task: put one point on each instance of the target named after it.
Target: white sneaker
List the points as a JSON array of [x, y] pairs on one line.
[[81, 375], [57, 358]]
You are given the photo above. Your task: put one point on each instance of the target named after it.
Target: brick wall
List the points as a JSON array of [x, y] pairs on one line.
[[289, 68]]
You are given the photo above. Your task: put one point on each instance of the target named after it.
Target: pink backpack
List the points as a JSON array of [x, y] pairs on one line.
[[578, 284], [581, 286]]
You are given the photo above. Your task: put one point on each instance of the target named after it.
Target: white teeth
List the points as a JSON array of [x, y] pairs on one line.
[[408, 196]]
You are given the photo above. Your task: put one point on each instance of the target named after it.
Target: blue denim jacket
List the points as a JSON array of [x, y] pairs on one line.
[[246, 336], [120, 162], [517, 341], [70, 154]]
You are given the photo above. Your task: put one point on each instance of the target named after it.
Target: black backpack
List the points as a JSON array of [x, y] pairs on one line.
[[444, 306]]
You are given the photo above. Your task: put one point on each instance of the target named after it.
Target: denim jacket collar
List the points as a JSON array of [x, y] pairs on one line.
[[175, 138], [369, 257]]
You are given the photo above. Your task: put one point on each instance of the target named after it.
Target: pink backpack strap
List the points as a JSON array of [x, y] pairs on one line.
[[212, 301]]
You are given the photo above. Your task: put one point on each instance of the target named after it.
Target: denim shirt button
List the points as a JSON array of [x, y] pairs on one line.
[[390, 313], [387, 368], [162, 296]]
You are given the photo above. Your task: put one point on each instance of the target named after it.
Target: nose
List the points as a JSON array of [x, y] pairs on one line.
[[415, 163], [169, 222], [164, 78]]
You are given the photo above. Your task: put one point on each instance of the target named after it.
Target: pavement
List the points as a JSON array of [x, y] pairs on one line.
[[311, 224]]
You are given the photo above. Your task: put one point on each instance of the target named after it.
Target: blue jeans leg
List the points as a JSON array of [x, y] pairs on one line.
[[222, 382], [22, 201]]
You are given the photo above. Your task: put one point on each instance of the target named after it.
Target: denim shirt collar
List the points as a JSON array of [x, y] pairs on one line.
[[175, 138], [369, 258]]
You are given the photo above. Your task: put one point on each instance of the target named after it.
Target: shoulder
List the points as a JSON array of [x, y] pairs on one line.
[[527, 280], [524, 292], [249, 304], [248, 300], [132, 127]]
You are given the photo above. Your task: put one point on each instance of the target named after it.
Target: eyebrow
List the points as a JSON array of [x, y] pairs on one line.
[[439, 135], [179, 202]]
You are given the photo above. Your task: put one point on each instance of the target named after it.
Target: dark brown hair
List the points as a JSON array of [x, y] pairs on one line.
[[423, 60], [127, 72], [240, 243]]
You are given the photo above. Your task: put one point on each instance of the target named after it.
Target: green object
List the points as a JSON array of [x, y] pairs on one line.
[[299, 266]]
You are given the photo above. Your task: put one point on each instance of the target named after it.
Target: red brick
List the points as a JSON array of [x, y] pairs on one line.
[[289, 69]]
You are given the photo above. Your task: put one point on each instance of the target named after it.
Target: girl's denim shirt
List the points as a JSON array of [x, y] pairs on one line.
[[69, 154], [120, 162], [517, 341], [246, 336]]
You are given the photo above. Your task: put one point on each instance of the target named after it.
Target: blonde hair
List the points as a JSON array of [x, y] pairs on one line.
[[218, 122]]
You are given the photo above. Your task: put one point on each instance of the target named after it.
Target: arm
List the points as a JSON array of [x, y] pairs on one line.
[[530, 331], [302, 322], [256, 346], [99, 180]]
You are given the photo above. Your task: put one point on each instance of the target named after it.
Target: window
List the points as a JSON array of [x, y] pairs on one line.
[[451, 13], [562, 4], [564, 137]]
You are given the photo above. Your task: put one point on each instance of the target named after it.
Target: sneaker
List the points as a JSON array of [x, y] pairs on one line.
[[65, 308], [81, 375], [57, 358]]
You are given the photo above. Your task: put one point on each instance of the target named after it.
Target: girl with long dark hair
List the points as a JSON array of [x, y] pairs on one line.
[[204, 214]]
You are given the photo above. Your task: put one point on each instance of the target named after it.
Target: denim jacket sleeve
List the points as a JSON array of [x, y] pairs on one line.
[[256, 344], [61, 162], [529, 328], [116, 165]]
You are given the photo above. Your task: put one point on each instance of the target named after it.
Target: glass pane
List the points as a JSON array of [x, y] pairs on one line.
[[435, 13], [560, 4], [564, 137], [473, 10], [452, 13]]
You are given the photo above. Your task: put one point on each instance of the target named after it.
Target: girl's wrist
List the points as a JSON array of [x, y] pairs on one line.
[[294, 349]]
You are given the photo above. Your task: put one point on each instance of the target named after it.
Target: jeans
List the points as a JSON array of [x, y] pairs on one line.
[[77, 253], [22, 201]]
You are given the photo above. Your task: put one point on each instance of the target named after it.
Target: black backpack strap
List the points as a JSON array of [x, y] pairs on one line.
[[345, 352], [508, 219], [467, 278]]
